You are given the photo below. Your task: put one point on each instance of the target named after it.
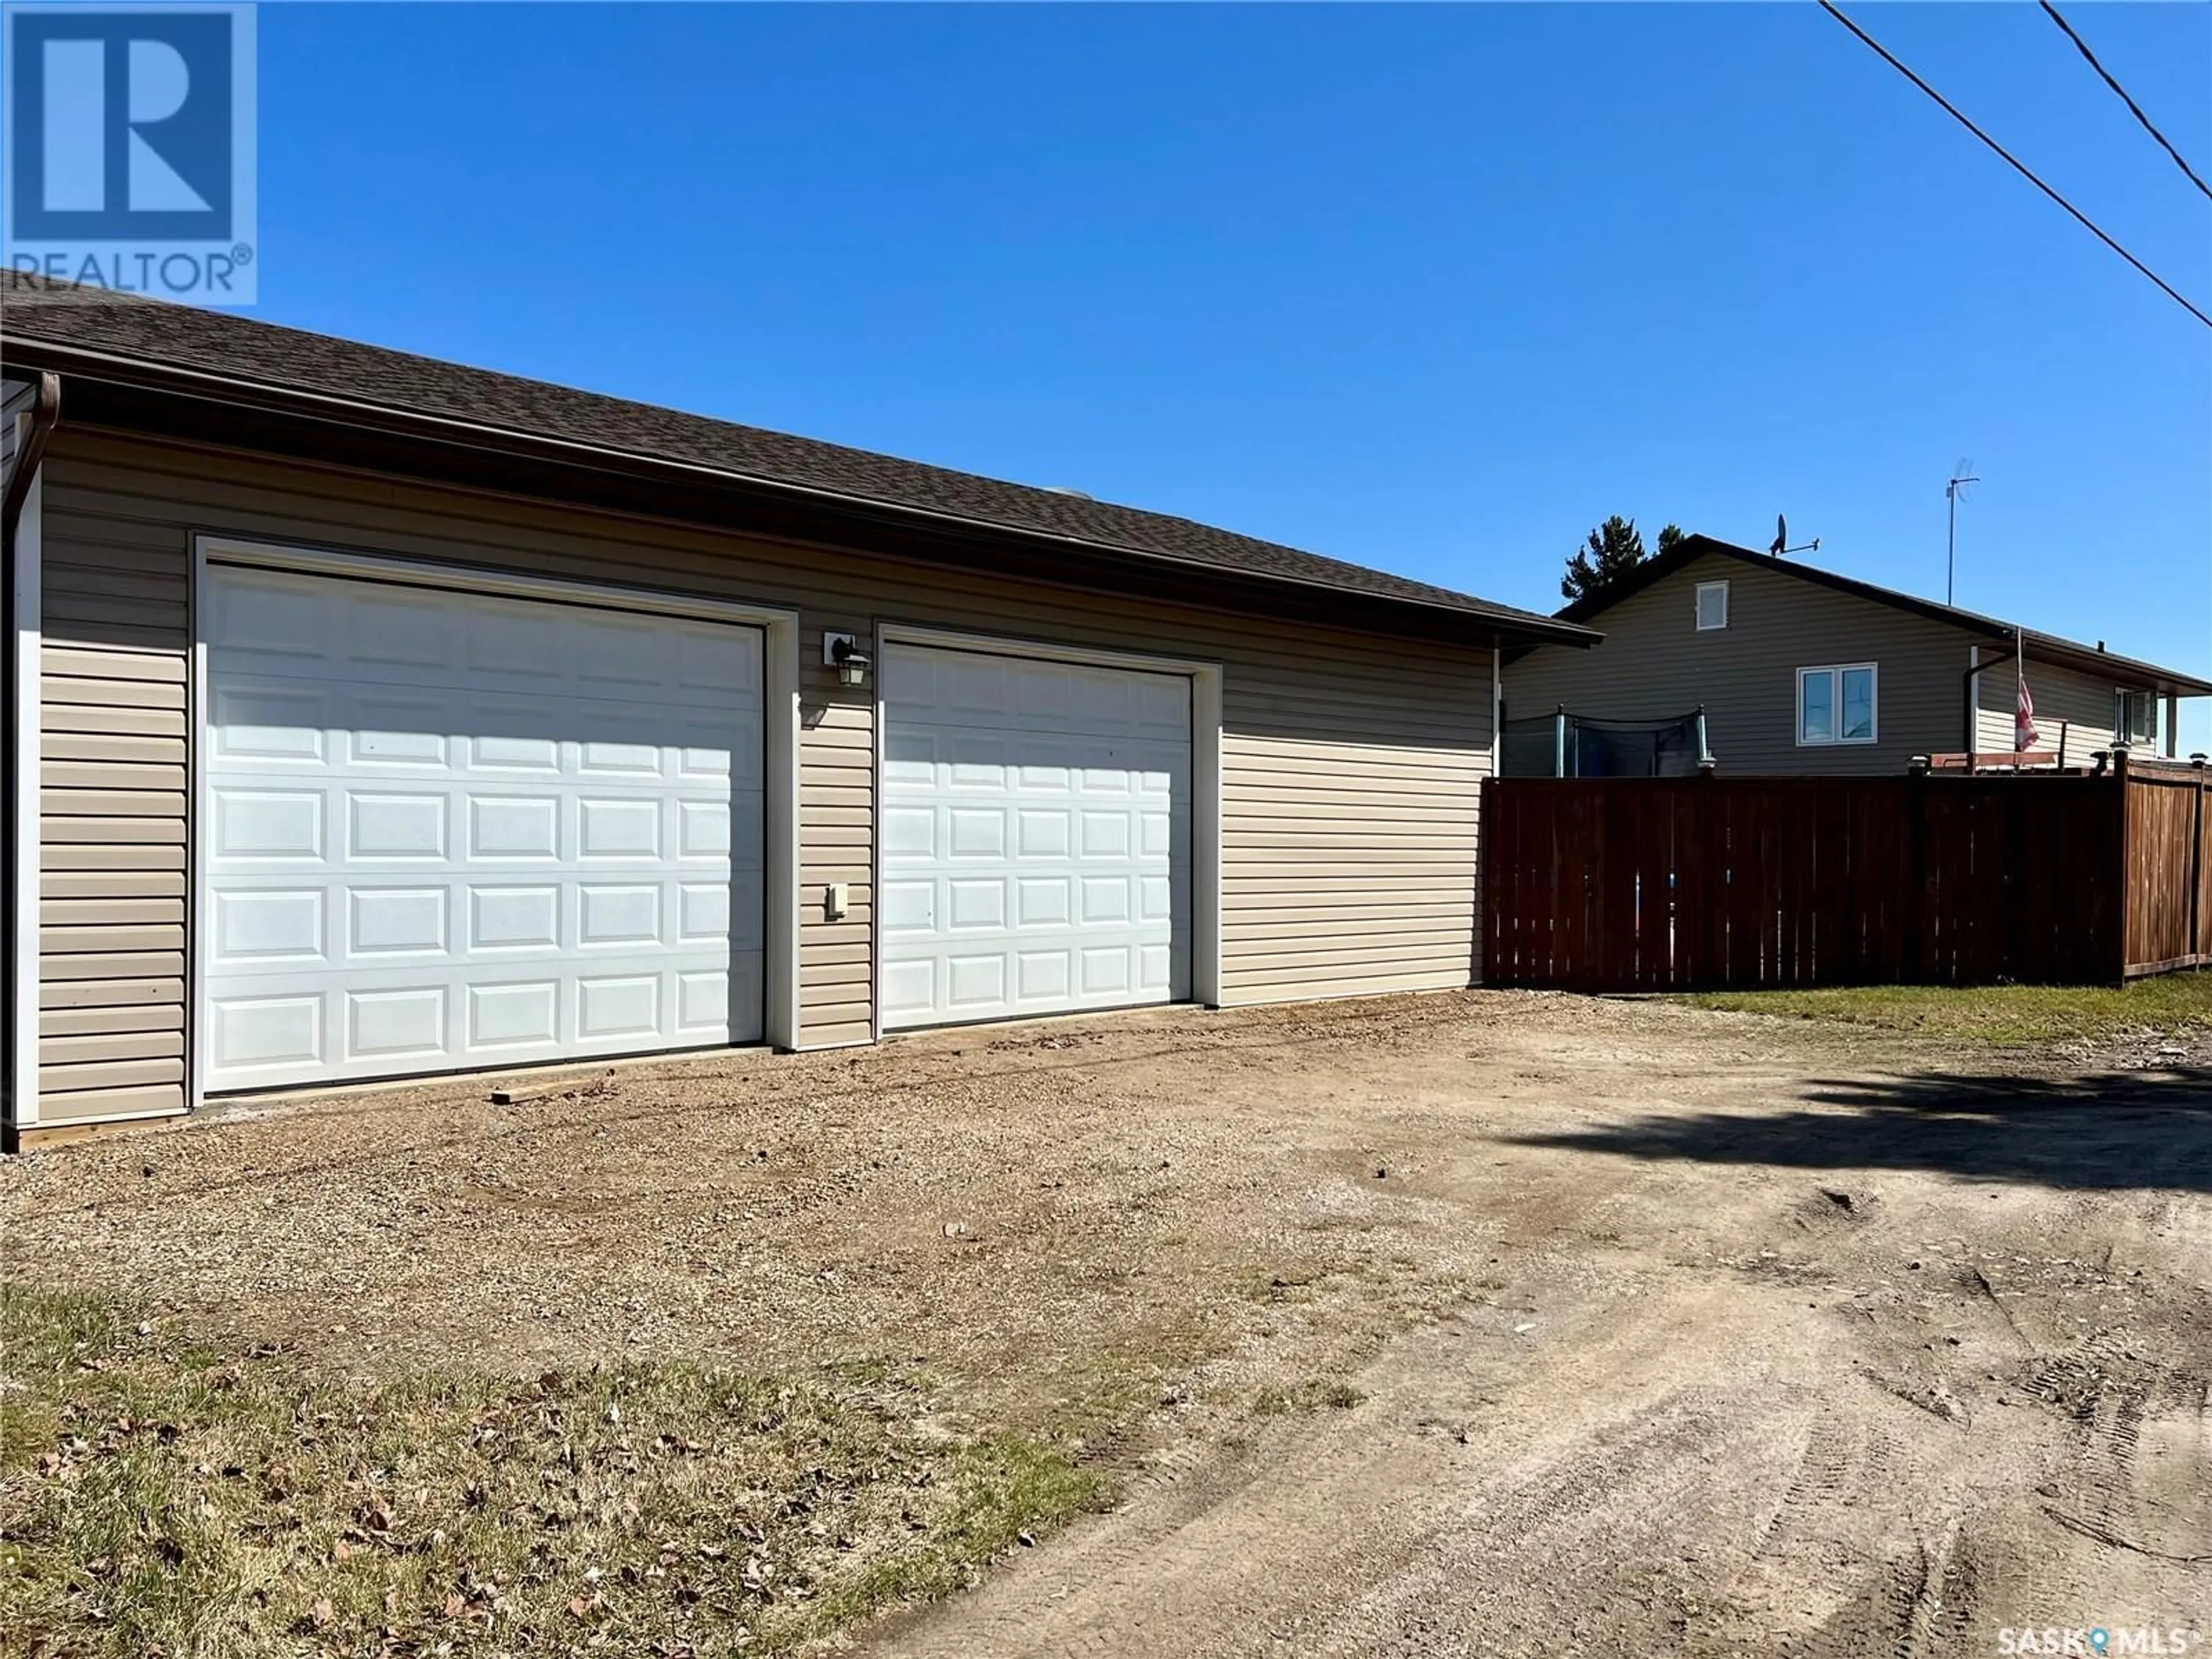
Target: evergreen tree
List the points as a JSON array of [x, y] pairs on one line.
[[1613, 550]]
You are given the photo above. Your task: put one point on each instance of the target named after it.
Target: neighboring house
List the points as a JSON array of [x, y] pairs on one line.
[[1800, 670], [376, 716]]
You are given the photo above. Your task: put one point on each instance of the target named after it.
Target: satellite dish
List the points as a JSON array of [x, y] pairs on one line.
[[1781, 535]]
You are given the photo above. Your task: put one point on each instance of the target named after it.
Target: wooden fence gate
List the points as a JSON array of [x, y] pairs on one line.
[[1652, 885]]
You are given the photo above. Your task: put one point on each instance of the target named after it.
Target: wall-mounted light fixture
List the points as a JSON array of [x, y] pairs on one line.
[[843, 652]]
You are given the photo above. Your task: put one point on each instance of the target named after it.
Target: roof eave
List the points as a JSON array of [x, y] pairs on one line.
[[1509, 627], [2124, 671]]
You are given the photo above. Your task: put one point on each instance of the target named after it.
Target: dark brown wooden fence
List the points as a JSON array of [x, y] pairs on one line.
[[1649, 885]]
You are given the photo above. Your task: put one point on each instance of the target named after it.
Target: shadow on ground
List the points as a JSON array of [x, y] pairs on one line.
[[2138, 1129]]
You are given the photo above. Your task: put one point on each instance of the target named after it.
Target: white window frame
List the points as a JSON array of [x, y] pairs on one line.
[[2121, 731], [1698, 607], [779, 729], [1836, 671], [1205, 988]]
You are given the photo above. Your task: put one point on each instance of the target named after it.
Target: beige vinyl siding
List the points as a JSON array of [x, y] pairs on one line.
[[1351, 761], [1655, 664], [2079, 707], [112, 911]]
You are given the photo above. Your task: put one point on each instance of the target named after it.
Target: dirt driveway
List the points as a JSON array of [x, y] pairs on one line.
[[1474, 1324]]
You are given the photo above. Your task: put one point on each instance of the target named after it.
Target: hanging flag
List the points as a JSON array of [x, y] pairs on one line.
[[2024, 734]]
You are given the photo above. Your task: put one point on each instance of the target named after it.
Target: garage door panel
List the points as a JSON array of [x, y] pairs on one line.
[[286, 625], [291, 728], [940, 690], [275, 1032], [1035, 836], [406, 1024], [491, 831]]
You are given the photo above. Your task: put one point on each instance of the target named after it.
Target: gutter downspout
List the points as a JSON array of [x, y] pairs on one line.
[[35, 426], [1975, 665], [39, 422]]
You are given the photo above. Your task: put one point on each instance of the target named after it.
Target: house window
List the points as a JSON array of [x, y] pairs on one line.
[[1836, 705], [2131, 718], [1712, 607]]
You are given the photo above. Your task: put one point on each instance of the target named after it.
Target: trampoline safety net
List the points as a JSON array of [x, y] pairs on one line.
[[1564, 745]]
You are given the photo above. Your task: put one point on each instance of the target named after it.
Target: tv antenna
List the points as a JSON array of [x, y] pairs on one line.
[[1782, 540], [1962, 480]]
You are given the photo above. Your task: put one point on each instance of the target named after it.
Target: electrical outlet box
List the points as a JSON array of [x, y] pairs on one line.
[[838, 900]]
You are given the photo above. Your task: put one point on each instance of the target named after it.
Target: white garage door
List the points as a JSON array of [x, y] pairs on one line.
[[1036, 824], [444, 830]]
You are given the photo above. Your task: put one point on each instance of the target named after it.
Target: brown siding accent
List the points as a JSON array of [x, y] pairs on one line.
[[1654, 664], [1351, 761]]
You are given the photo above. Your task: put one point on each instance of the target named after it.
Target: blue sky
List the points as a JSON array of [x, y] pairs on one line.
[[1431, 288]]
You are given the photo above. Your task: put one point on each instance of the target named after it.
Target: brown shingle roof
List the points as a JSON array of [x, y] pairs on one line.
[[131, 330]]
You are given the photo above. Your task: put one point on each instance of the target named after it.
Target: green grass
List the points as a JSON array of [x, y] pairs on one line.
[[2172, 1003], [162, 1497], [1307, 1396]]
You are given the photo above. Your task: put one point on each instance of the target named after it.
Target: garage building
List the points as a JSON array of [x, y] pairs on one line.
[[373, 716]]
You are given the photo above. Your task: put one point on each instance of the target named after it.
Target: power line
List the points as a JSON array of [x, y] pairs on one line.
[[2134, 108], [1950, 109]]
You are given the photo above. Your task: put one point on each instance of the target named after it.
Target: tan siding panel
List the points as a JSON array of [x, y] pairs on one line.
[[80, 690], [111, 828], [138, 667], [64, 964], [130, 1016], [109, 748], [165, 806], [88, 912], [61, 1077], [133, 885], [837, 840], [109, 774], [1280, 982], [812, 972], [118, 855], [66, 720], [63, 942], [116, 990], [138, 1046], [58, 833], [107, 1104], [1322, 922]]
